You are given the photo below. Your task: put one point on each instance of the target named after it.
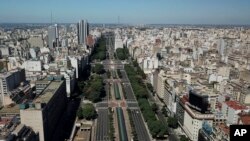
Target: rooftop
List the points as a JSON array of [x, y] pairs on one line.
[[245, 119], [184, 99], [8, 73], [204, 91], [4, 121], [224, 128], [14, 109], [5, 74], [42, 81], [49, 92], [235, 105], [83, 133]]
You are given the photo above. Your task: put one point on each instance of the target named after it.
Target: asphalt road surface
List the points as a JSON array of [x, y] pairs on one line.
[[124, 76], [140, 128], [129, 92], [102, 125]]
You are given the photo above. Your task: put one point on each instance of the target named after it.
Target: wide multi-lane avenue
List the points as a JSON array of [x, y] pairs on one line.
[[127, 100]]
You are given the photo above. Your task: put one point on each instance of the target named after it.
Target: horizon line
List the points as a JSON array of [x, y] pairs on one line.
[[125, 23]]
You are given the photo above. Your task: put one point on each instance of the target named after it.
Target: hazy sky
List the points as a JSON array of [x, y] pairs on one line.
[[129, 11]]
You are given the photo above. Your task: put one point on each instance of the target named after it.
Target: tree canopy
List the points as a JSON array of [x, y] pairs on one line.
[[154, 107], [94, 89], [122, 53], [156, 127], [172, 122], [183, 138], [99, 52], [87, 111], [150, 87], [98, 69], [164, 111]]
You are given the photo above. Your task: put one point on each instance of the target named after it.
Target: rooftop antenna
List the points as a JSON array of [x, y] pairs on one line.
[[51, 17]]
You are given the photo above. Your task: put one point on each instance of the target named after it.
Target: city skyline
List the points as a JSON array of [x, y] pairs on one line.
[[128, 12], [113, 70]]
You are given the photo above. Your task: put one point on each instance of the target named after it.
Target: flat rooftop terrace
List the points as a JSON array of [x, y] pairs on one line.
[[10, 110], [48, 93]]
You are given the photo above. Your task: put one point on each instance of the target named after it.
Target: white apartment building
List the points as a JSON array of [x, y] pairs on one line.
[[33, 65], [36, 41], [33, 69], [118, 42], [170, 96], [231, 109], [79, 63], [70, 77], [150, 63], [161, 84], [8, 82], [193, 120]]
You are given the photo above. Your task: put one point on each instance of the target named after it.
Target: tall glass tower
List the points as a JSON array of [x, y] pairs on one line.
[[82, 31], [53, 36]]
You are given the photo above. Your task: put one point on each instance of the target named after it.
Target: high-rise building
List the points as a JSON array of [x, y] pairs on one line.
[[82, 31], [43, 114], [8, 82], [53, 36], [196, 109], [190, 119], [161, 84]]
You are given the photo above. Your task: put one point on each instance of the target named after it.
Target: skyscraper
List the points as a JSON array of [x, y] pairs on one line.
[[82, 31], [53, 36], [44, 113]]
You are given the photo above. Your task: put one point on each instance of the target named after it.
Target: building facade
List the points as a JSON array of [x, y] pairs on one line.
[[8, 82], [161, 84], [53, 36], [44, 113], [82, 32]]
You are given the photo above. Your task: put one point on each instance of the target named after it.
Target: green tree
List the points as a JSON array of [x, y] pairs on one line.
[[136, 76], [154, 107], [141, 92], [98, 69], [81, 85], [154, 127], [101, 55], [157, 128], [150, 87], [164, 131], [94, 96], [164, 111], [141, 73], [172, 122], [99, 52], [183, 138], [80, 113], [88, 111], [94, 90], [120, 54]]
